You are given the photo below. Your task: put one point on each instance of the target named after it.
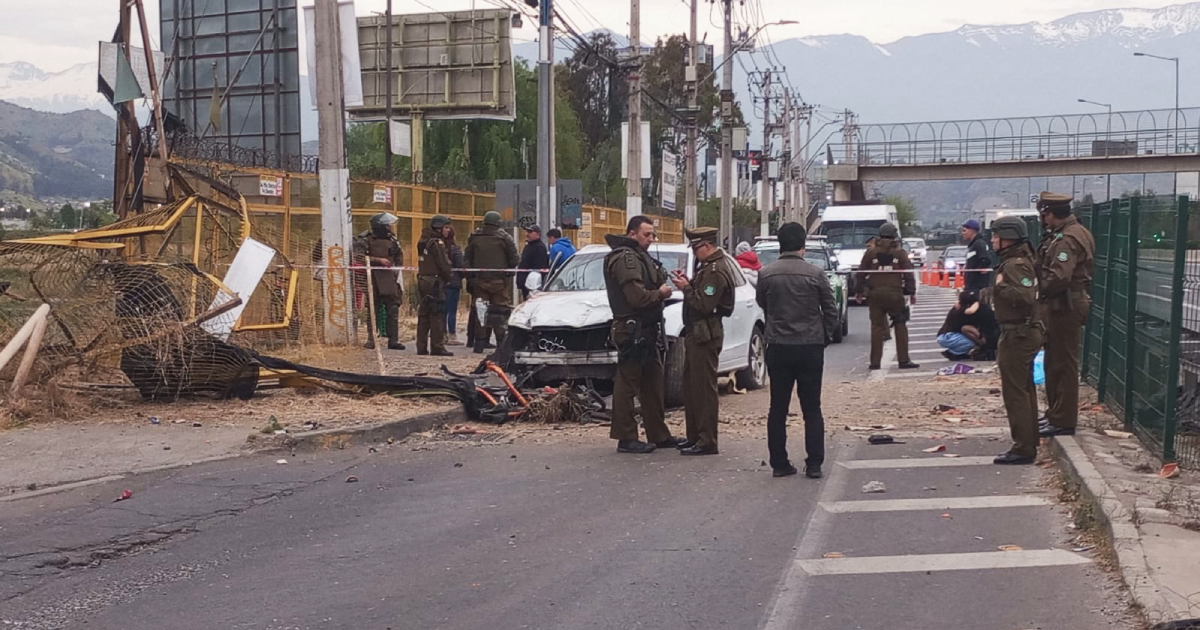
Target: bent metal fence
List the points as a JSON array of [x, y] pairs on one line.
[[1141, 346]]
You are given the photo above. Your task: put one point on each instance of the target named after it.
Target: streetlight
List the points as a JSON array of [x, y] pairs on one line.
[[1108, 129], [1174, 60]]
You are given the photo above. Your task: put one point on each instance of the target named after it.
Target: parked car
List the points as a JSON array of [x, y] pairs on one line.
[[817, 252], [562, 331], [918, 250], [952, 258]]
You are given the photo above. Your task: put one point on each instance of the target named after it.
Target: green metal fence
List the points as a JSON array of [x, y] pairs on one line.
[[1145, 321]]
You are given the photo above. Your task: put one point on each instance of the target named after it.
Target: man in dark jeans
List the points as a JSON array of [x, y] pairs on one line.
[[801, 317]]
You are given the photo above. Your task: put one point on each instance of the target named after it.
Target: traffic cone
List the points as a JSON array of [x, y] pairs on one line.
[[959, 280], [925, 277], [945, 283]]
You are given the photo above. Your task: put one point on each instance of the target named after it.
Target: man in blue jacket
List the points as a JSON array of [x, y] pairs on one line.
[[561, 248]]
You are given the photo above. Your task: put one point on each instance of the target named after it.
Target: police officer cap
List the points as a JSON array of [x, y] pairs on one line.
[[1010, 229], [383, 219], [492, 218], [439, 221], [887, 230], [1049, 200], [701, 235]]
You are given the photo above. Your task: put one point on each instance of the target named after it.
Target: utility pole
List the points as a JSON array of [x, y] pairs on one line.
[[848, 129], [338, 299], [387, 155], [785, 164], [802, 192], [764, 182], [547, 198], [727, 190], [633, 184], [689, 185]]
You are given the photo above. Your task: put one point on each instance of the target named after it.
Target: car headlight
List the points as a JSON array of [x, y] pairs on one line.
[[950, 264]]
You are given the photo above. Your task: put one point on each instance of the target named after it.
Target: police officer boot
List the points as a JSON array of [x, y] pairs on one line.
[[634, 446], [1013, 459]]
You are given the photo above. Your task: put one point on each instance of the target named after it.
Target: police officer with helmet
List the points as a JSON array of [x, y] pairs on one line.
[[433, 272], [1014, 299], [491, 248], [383, 249], [886, 293]]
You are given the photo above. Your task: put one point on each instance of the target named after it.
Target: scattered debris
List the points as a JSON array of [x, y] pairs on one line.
[[1084, 548], [953, 419], [125, 496], [929, 489], [166, 448], [281, 461], [957, 368], [273, 426], [463, 429], [179, 421], [951, 455], [391, 440], [351, 479], [1169, 471], [882, 439], [196, 425], [834, 554], [946, 515], [155, 420], [934, 449], [1009, 548], [1120, 435], [874, 487], [874, 427], [458, 464], [944, 409]]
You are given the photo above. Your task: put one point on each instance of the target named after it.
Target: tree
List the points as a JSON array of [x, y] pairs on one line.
[[68, 218], [906, 214]]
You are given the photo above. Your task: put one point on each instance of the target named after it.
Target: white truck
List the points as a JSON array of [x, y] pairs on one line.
[[991, 214], [847, 230]]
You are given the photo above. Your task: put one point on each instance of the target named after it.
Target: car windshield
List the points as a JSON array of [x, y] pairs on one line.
[[585, 272], [956, 252], [850, 235], [818, 257], [915, 242]]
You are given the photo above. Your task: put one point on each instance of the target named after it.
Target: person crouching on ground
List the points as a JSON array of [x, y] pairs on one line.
[[970, 330]]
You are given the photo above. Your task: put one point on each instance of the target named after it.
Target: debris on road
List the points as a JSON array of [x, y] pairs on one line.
[[463, 429], [874, 427], [834, 554], [125, 496], [281, 461], [951, 455], [351, 479], [874, 487], [882, 439], [956, 369], [934, 449], [1169, 471], [1120, 435], [155, 420], [1009, 548]]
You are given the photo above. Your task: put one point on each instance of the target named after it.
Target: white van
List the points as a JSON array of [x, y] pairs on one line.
[[847, 230]]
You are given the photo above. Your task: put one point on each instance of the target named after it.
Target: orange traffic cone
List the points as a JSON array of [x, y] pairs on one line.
[[959, 280], [945, 283]]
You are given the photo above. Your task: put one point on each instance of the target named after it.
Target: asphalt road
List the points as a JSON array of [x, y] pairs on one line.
[[559, 535]]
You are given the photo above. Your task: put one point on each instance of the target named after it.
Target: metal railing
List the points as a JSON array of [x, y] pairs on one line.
[[1123, 134], [1141, 346]]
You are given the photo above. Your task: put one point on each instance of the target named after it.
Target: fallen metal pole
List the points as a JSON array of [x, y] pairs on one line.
[[19, 339]]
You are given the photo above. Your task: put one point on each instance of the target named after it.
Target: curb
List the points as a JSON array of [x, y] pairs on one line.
[[323, 439], [1119, 527], [340, 438]]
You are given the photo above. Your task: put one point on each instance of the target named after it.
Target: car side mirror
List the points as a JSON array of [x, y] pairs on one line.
[[533, 282]]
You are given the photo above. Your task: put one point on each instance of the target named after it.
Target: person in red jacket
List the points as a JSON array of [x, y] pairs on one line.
[[748, 261]]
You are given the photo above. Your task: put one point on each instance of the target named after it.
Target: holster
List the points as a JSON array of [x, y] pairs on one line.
[[631, 340]]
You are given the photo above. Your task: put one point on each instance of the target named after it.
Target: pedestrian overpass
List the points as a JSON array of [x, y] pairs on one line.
[[1133, 142]]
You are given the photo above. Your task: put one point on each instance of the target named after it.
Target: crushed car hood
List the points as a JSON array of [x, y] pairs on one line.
[[567, 309]]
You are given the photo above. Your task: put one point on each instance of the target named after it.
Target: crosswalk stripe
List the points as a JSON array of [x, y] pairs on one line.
[[943, 562], [911, 374], [932, 462], [941, 503]]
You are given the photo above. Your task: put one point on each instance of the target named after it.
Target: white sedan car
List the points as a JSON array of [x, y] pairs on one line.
[[562, 332]]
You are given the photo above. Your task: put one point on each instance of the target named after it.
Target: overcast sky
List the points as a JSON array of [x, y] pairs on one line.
[[56, 34]]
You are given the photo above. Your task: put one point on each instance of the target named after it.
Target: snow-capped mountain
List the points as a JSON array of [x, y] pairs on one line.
[[71, 90], [1129, 25]]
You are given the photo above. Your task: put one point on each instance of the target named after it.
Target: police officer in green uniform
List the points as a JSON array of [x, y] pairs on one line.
[[886, 293], [381, 246], [707, 300], [491, 248], [1014, 298], [1066, 261], [637, 287], [433, 272]]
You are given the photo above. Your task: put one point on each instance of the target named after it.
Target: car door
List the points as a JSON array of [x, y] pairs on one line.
[[740, 325]]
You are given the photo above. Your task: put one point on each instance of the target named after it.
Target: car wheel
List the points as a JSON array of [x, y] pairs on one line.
[[755, 374], [845, 322], [674, 372]]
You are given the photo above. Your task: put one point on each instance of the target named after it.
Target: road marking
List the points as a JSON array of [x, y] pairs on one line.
[[943, 562], [911, 374], [945, 503], [933, 462]]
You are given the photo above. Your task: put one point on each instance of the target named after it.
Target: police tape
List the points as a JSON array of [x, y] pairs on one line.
[[375, 268]]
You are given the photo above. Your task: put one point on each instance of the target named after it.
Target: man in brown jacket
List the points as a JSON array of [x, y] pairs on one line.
[[384, 251], [433, 272]]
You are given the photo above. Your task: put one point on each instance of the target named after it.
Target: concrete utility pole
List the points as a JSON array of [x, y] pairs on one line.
[[848, 129], [802, 192], [764, 181], [547, 195], [387, 155], [689, 184], [338, 298], [785, 164], [633, 183], [727, 190]]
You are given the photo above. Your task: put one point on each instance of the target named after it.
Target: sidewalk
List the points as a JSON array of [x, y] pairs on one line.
[[1153, 523]]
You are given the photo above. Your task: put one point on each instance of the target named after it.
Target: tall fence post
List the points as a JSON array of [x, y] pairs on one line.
[[1106, 300], [1131, 307], [1177, 278]]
